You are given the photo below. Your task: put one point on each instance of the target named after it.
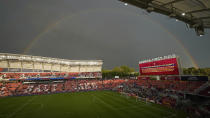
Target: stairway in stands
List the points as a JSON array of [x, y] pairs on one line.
[[201, 88]]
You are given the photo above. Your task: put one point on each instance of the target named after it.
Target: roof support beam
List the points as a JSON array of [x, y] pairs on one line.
[[199, 1], [200, 10], [168, 3], [201, 18], [149, 1]]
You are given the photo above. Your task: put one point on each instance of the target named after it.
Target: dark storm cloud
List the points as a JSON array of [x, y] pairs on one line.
[[95, 29]]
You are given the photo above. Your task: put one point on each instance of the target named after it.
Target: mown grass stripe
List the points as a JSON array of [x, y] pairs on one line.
[[94, 104]]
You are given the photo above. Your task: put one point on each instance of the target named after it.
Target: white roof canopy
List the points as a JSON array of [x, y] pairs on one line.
[[7, 56]]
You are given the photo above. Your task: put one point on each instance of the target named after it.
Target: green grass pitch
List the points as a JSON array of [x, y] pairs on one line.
[[93, 104]]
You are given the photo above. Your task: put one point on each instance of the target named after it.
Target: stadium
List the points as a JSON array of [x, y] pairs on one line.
[[47, 87], [164, 93]]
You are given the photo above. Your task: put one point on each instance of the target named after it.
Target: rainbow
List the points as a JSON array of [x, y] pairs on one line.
[[53, 25]]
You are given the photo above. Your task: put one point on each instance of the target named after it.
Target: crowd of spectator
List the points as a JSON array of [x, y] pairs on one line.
[[160, 94], [173, 94], [17, 88]]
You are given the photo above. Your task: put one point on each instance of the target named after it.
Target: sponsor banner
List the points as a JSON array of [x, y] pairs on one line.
[[194, 78], [35, 70], [14, 70], [55, 71], [143, 78], [170, 78], [27, 70], [3, 69], [160, 67], [47, 70]]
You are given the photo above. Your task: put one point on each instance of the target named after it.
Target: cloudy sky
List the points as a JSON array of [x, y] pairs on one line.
[[97, 29]]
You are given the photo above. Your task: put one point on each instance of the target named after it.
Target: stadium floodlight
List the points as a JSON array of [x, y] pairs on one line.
[[38, 59], [57, 61], [27, 58], [12, 57], [183, 14], [77, 63], [126, 4], [2, 57], [49, 60]]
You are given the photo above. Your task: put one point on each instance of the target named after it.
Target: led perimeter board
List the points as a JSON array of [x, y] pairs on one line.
[[167, 65]]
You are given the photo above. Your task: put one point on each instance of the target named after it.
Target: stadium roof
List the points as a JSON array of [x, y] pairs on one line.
[[8, 56], [196, 13]]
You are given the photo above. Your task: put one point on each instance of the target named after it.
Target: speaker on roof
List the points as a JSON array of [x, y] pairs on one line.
[[199, 30]]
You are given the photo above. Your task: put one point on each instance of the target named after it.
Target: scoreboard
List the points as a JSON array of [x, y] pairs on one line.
[[167, 65]]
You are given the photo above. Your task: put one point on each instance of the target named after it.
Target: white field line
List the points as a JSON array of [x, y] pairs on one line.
[[41, 105], [95, 98], [127, 107], [150, 106], [100, 100], [21, 107], [170, 116]]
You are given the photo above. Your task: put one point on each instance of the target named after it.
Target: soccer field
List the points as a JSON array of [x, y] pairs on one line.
[[93, 104]]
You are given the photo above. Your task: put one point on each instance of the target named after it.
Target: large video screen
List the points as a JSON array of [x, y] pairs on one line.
[[160, 67]]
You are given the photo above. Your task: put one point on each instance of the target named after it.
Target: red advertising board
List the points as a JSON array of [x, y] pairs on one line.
[[160, 67]]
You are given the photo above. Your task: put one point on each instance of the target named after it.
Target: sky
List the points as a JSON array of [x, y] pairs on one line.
[[97, 29]]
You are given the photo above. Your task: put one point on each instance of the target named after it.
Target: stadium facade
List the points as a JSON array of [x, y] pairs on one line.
[[13, 65], [28, 63]]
